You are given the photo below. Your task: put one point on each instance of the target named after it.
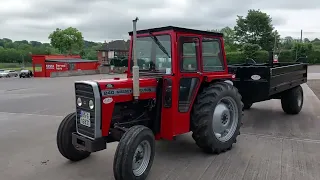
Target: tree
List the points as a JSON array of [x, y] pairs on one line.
[[256, 28], [229, 38], [228, 35], [306, 40], [301, 50], [67, 40], [287, 42]]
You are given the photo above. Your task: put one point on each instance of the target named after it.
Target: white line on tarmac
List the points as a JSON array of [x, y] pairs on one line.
[[282, 137], [27, 114]]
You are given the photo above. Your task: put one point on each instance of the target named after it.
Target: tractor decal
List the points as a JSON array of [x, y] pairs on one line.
[[126, 91]]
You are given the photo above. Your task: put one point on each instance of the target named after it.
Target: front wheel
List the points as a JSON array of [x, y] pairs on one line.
[[64, 139], [134, 155], [216, 117], [292, 100]]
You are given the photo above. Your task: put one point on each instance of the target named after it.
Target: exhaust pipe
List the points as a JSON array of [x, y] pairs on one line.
[[135, 68]]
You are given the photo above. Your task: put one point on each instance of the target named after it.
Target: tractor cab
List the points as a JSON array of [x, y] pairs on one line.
[[168, 51]]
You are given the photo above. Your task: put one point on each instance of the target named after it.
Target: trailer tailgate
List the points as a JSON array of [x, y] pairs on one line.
[[286, 77]]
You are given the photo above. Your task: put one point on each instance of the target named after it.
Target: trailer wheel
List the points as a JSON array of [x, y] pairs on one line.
[[216, 117], [64, 139], [135, 153], [247, 105], [292, 100]]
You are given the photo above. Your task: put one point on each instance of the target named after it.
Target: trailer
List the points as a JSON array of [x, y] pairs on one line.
[[258, 82]]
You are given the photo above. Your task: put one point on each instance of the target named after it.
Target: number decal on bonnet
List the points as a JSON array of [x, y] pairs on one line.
[[117, 92]]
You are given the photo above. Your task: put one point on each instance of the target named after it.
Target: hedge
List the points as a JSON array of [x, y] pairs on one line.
[[263, 56], [239, 57]]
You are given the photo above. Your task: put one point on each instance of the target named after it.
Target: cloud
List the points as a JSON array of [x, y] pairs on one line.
[[101, 20]]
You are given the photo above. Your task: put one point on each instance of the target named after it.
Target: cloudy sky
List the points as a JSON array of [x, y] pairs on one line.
[[101, 20]]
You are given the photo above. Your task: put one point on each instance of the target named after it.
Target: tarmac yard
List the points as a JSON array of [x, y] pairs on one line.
[[272, 145]]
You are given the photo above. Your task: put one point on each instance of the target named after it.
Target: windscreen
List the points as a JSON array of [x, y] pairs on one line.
[[154, 53]]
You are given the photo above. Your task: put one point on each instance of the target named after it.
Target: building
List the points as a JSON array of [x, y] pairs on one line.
[[56, 65], [113, 49]]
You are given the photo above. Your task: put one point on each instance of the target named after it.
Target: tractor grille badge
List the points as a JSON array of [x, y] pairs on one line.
[[109, 86]]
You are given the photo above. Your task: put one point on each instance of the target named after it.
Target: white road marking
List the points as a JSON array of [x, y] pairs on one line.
[[282, 137], [27, 114]]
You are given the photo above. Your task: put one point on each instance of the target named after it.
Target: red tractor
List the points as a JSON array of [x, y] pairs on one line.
[[177, 82]]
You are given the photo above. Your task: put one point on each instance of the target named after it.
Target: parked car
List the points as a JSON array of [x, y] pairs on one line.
[[25, 73], [1, 71], [9, 73]]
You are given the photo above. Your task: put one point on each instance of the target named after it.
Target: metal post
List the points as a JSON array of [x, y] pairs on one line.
[[135, 68]]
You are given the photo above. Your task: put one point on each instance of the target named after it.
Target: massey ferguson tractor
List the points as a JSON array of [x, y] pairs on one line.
[[177, 82]]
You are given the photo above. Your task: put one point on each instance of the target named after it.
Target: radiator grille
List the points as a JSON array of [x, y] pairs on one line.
[[85, 92]]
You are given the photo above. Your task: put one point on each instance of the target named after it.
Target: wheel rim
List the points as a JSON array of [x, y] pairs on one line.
[[141, 158], [225, 119], [299, 99]]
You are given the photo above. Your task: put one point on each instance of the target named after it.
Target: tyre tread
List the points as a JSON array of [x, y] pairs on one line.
[[64, 141], [201, 113]]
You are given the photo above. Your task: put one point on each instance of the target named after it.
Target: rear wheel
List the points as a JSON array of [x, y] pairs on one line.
[[216, 117], [134, 155], [64, 139], [292, 100]]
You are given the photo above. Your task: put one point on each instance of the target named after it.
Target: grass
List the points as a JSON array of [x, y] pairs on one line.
[[16, 66], [19, 68]]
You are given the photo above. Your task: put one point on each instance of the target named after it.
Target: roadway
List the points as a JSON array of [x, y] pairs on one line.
[[272, 145]]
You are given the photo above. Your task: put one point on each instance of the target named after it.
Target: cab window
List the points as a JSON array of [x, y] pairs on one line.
[[188, 52], [212, 57]]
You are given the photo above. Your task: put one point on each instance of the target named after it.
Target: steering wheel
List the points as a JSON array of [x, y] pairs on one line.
[[250, 61]]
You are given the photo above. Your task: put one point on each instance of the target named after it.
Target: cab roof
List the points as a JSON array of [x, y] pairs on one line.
[[177, 29]]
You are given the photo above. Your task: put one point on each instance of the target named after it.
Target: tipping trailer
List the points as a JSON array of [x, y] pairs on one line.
[[258, 82]]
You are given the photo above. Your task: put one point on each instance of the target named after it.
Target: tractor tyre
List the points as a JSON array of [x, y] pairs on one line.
[[247, 106], [292, 100], [64, 139], [216, 117], [134, 155]]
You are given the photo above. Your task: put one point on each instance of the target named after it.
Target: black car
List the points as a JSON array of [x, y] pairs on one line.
[[25, 74]]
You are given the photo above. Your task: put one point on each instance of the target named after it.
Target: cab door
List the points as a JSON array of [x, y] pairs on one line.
[[189, 79]]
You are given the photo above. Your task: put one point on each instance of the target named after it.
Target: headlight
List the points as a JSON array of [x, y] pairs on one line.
[[79, 101], [91, 105]]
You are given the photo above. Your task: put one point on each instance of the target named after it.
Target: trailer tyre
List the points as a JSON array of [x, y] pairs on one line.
[[292, 100], [216, 117], [64, 139], [134, 155]]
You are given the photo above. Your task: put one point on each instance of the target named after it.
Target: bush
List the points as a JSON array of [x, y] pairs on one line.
[[239, 57], [262, 57], [235, 57], [314, 57], [286, 56]]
